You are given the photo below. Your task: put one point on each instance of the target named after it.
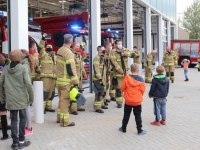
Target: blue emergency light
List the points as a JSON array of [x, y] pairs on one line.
[[30, 19], [75, 27], [117, 31], [108, 30], [1, 14]]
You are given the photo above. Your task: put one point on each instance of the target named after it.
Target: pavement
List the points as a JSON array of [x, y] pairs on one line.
[[95, 131]]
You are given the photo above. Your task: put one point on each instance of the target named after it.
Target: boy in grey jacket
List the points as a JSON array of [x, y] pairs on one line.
[[17, 83]]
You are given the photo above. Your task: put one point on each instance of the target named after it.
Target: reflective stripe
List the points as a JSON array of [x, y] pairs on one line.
[[74, 105], [64, 115], [49, 103], [62, 83], [119, 75], [60, 61], [41, 45], [169, 64], [112, 91], [98, 74], [112, 56], [149, 59], [45, 102], [101, 66], [43, 54], [35, 57], [95, 62], [47, 61], [74, 78], [77, 65], [129, 54], [118, 59], [58, 111], [119, 99], [47, 75], [117, 67], [169, 56], [69, 60], [148, 78], [97, 103], [94, 79], [126, 59], [64, 80]]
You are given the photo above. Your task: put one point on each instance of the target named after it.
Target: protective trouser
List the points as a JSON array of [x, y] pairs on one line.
[[148, 74], [105, 93], [74, 106], [99, 100], [49, 92], [63, 105], [112, 90], [199, 66], [170, 72], [36, 77], [119, 94]]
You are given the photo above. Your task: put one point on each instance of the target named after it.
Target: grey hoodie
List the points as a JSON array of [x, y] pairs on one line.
[[17, 84]]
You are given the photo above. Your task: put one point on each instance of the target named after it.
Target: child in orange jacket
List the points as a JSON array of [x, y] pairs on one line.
[[133, 87]]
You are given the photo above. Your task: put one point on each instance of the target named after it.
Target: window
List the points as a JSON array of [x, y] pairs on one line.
[[58, 38], [185, 49], [176, 46], [194, 49]]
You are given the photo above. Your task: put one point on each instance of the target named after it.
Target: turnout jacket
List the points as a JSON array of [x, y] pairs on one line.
[[37, 65], [137, 57], [120, 63], [149, 61], [80, 70], [65, 67], [169, 58], [159, 87], [48, 62], [99, 69], [108, 66]]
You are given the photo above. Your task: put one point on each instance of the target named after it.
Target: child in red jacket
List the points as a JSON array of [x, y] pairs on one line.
[[133, 87]]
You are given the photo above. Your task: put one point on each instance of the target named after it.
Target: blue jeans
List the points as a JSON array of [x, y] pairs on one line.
[[160, 108], [186, 72]]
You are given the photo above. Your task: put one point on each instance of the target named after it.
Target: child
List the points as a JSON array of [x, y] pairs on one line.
[[133, 87], [159, 91], [185, 63], [17, 85]]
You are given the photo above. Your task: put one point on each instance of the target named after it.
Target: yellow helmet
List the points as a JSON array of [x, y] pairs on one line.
[[74, 94]]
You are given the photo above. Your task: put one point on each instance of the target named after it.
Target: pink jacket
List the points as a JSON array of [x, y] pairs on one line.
[[185, 64]]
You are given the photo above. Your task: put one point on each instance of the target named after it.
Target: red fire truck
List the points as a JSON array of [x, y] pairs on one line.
[[187, 49]]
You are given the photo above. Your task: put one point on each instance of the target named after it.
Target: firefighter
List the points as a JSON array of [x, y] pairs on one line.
[[119, 58], [112, 91], [137, 55], [66, 78], [148, 66], [32, 51], [47, 75], [80, 73], [99, 76], [169, 61], [199, 62], [108, 48], [176, 52]]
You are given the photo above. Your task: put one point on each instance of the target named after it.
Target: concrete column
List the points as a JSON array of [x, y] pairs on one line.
[[176, 26], [95, 26], [160, 44], [168, 33], [63, 8], [129, 27], [19, 24], [148, 30]]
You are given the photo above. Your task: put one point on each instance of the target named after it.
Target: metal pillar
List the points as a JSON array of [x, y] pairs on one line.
[[148, 30], [168, 33], [160, 42], [176, 26], [63, 7], [129, 27], [19, 24], [95, 6]]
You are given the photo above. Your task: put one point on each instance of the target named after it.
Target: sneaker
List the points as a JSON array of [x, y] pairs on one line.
[[3, 139], [75, 113], [119, 106], [28, 131], [15, 147], [23, 145], [120, 129], [155, 123], [163, 122], [100, 111], [142, 132], [186, 80]]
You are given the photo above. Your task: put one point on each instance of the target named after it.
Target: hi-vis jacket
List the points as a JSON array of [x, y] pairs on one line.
[[48, 62], [149, 61], [120, 63], [169, 59], [199, 57], [37, 65], [137, 57], [99, 69], [79, 65], [66, 68]]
